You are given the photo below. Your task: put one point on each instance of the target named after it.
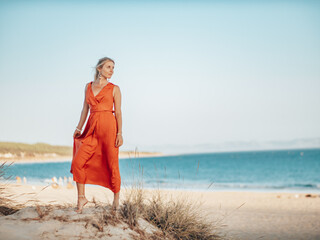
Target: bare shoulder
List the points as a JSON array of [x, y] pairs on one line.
[[87, 86], [116, 88]]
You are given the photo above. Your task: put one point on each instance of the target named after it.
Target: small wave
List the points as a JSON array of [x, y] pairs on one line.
[[265, 186], [307, 185]]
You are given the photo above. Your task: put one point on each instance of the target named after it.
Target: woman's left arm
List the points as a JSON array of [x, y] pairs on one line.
[[118, 114]]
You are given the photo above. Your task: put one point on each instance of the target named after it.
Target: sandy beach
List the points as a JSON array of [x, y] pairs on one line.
[[245, 215]]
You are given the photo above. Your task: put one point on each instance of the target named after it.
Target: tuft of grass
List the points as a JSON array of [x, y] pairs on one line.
[[176, 218], [4, 210], [180, 218], [132, 206], [7, 207], [43, 210]]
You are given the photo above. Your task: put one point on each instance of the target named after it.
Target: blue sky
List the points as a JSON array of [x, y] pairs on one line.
[[193, 72]]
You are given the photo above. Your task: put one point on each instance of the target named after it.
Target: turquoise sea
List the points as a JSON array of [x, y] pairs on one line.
[[273, 170]]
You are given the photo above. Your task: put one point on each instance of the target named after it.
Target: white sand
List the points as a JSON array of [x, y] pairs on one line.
[[246, 215]]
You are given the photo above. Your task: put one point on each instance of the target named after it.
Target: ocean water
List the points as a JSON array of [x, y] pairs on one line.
[[272, 170]]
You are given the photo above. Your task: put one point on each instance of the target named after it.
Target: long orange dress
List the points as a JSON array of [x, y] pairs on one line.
[[95, 157]]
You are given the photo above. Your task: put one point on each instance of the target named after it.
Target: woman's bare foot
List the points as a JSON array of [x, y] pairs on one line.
[[115, 205], [81, 202]]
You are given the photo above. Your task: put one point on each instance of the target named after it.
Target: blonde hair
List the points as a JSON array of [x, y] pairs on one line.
[[100, 64]]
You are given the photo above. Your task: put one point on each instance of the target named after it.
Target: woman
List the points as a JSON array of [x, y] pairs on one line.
[[96, 150]]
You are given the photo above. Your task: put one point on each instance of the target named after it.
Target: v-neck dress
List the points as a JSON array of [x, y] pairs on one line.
[[95, 157]]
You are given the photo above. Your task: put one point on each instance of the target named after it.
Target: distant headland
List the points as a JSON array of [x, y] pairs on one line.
[[42, 152]]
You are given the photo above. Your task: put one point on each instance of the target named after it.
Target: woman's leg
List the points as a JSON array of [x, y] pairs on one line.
[[116, 198], [82, 200]]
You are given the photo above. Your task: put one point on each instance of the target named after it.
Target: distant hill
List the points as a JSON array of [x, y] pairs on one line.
[[43, 151], [25, 150]]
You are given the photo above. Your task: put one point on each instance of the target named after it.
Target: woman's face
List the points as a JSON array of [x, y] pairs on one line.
[[107, 69]]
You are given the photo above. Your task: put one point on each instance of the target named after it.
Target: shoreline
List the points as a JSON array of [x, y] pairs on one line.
[[294, 192], [15, 184], [261, 192]]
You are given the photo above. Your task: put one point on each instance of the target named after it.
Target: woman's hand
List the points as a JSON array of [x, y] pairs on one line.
[[76, 133], [119, 141]]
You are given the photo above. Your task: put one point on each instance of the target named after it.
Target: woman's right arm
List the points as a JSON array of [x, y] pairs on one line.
[[84, 112]]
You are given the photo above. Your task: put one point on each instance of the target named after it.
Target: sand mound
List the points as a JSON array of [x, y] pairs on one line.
[[60, 222]]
